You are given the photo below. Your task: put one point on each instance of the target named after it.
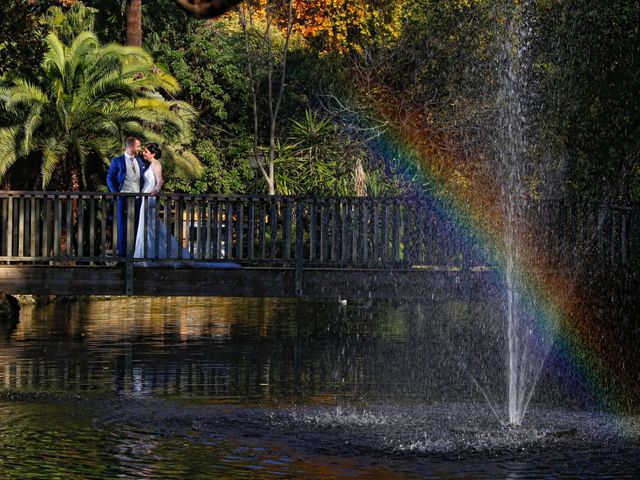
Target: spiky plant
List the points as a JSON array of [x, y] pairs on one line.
[[86, 100]]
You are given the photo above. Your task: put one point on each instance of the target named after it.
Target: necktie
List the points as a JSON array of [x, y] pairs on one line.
[[133, 164]]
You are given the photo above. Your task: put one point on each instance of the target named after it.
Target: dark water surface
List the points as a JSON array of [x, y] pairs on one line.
[[173, 388]]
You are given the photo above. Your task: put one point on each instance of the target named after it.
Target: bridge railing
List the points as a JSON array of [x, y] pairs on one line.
[[362, 232], [58, 227]]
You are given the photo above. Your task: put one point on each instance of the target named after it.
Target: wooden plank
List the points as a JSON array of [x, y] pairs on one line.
[[333, 207], [199, 207], [114, 225], [36, 232], [168, 208], [61, 280], [229, 239], [324, 231], [251, 220], [21, 227], [244, 282], [286, 244], [396, 232], [160, 201], [298, 254], [92, 226], [344, 231], [354, 225], [273, 222], [188, 215], [408, 238], [69, 225], [263, 231], [240, 230], [144, 214], [209, 231], [3, 226], [178, 227], [10, 231], [313, 228], [219, 219], [131, 226], [80, 203], [376, 253], [419, 255], [46, 220], [385, 231], [103, 204], [365, 232], [57, 225]]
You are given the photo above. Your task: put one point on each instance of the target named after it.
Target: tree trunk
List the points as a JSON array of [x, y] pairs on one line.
[[134, 23]]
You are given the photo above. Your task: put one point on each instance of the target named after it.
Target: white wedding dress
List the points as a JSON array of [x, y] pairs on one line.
[[161, 255], [149, 216]]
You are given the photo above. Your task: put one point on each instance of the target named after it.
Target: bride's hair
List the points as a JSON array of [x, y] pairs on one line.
[[155, 149]]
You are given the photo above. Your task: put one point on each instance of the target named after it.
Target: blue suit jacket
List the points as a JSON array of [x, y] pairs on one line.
[[118, 171]]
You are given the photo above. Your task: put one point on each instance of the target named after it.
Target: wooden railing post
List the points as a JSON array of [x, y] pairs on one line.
[[131, 243], [299, 251]]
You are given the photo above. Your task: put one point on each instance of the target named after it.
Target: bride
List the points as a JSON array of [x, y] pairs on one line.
[[153, 182]]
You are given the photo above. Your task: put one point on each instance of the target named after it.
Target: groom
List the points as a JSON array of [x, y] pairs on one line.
[[126, 175]]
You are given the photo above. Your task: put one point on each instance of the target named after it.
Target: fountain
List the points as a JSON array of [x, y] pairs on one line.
[[527, 347]]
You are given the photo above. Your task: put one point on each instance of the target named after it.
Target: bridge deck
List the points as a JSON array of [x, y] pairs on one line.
[[242, 282]]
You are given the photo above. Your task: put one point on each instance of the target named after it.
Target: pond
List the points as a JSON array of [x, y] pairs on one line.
[[200, 388]]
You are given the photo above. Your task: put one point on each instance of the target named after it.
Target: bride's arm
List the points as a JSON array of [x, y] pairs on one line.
[[159, 179]]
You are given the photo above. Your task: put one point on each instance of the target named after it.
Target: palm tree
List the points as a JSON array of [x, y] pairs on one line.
[[86, 99]]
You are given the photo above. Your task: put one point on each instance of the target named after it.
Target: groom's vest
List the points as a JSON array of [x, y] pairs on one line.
[[118, 173]]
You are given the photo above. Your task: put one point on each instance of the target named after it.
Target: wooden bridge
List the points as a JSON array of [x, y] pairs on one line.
[[64, 244]]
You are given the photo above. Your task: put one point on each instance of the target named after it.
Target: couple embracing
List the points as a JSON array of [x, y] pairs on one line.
[[138, 170]]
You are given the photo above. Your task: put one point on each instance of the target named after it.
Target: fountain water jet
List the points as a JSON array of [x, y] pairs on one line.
[[527, 348]]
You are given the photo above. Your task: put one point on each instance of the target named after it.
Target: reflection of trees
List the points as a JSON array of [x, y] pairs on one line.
[[253, 349]]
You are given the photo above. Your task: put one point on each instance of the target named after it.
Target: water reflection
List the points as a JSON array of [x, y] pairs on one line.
[[263, 388], [258, 350]]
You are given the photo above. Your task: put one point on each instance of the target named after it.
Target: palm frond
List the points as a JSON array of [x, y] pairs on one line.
[[182, 163], [83, 45], [30, 127], [23, 92], [9, 139], [53, 151], [54, 57]]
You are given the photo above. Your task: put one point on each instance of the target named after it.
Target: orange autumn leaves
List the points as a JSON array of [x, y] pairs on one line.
[[344, 26], [340, 25]]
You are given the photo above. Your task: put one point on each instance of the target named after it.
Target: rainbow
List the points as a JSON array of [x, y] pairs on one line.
[[469, 199]]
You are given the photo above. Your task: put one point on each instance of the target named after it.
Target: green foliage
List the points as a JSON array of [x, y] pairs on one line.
[[21, 38], [588, 58], [446, 50], [218, 177], [85, 100], [437, 59], [68, 24], [316, 160], [208, 60]]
